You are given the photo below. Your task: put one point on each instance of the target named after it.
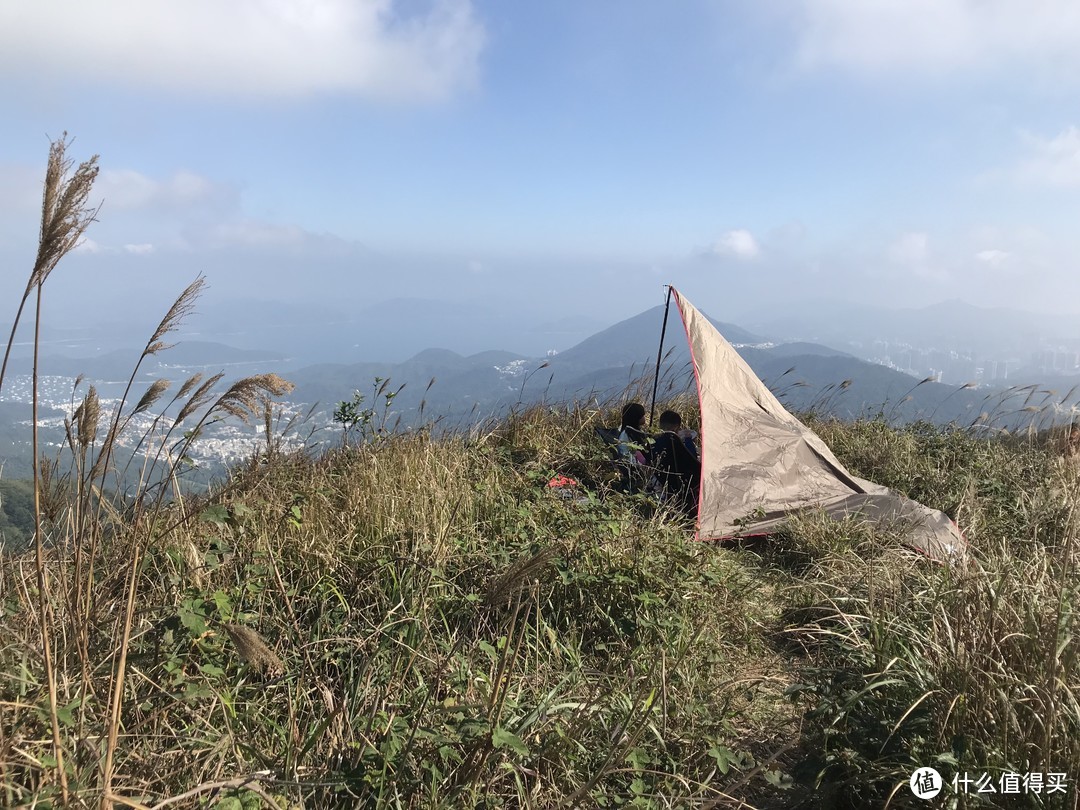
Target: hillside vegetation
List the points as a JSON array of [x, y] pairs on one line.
[[417, 623], [412, 621]]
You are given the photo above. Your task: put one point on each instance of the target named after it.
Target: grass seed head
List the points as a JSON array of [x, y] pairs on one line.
[[253, 650]]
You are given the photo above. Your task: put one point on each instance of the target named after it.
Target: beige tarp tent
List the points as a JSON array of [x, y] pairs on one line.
[[759, 463]]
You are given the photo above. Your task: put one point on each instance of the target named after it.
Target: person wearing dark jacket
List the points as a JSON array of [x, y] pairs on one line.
[[634, 442], [678, 470]]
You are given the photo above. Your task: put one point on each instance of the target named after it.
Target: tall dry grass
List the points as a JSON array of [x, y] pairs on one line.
[[75, 518], [968, 669], [65, 216]]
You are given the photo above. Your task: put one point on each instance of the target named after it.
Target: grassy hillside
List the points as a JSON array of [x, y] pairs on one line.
[[421, 623]]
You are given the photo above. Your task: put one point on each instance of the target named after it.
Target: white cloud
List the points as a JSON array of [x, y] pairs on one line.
[[1051, 161], [129, 189], [249, 47], [993, 257], [932, 36], [88, 245], [911, 254], [254, 234], [739, 243], [911, 249], [259, 237]]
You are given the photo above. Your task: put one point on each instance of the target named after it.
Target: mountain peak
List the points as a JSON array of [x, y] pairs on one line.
[[435, 356]]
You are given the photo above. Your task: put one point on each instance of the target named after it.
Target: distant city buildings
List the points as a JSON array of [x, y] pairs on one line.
[[1057, 361], [220, 443], [953, 367]]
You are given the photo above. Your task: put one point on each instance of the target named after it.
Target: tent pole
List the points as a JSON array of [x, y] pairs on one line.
[[659, 356]]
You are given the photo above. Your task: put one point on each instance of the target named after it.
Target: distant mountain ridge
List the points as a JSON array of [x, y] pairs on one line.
[[805, 375], [462, 386]]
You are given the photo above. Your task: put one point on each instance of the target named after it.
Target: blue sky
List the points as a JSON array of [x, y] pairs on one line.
[[561, 157]]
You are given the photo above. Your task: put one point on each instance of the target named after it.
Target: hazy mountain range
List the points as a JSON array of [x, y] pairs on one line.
[[805, 375], [396, 330], [806, 359]]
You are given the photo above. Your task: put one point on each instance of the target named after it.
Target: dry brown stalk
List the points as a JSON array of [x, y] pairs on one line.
[[65, 216], [86, 418], [180, 308], [249, 782], [240, 400]]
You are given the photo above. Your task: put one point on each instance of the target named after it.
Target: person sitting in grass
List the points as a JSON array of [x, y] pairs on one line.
[[677, 468], [634, 449], [634, 442]]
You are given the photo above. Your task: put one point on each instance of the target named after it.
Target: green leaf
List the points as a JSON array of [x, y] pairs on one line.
[[723, 756], [224, 605], [193, 618], [779, 779], [65, 714], [193, 691], [488, 650], [218, 515], [638, 758], [501, 738]]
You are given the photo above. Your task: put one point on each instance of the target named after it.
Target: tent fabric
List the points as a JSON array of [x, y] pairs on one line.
[[759, 464]]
